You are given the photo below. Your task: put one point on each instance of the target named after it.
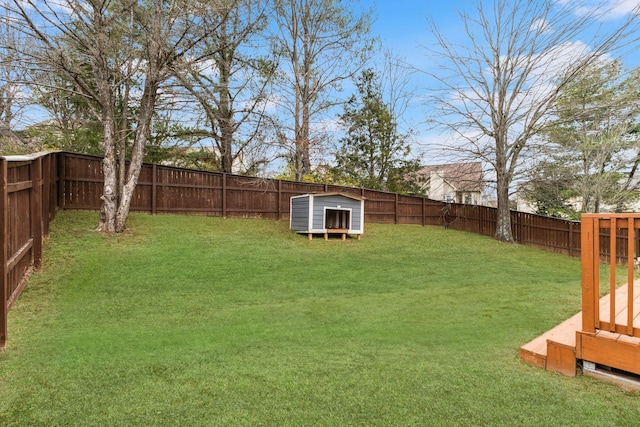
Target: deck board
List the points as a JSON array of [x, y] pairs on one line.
[[563, 335]]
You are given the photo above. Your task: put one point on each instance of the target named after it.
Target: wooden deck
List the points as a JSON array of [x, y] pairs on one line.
[[560, 348]]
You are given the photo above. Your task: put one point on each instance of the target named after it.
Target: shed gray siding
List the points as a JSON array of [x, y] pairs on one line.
[[300, 213], [320, 202]]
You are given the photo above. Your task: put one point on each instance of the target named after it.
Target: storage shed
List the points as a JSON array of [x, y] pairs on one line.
[[327, 213]]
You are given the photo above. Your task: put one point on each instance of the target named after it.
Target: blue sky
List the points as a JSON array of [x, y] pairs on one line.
[[402, 25]]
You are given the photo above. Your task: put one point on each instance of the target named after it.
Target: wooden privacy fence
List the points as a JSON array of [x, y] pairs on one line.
[[164, 189], [33, 187], [28, 203]]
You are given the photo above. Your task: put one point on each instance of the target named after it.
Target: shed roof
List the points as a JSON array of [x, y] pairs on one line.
[[337, 193]]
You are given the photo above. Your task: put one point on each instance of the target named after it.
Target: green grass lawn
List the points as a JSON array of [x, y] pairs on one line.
[[210, 321]]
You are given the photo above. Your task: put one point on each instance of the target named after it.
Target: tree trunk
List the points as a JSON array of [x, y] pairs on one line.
[[297, 134], [226, 112], [307, 98], [108, 209], [147, 106], [305, 155], [503, 224]]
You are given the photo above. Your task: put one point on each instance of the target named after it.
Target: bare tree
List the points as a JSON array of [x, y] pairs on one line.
[[322, 44], [231, 89], [12, 85], [396, 86], [108, 49], [497, 87]]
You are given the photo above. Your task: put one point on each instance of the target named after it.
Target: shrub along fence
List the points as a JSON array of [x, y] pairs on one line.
[[33, 187]]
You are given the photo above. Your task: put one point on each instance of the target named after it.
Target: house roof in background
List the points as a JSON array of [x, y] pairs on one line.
[[462, 176]]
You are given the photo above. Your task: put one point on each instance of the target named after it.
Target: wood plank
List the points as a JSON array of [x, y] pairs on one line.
[[588, 240], [19, 254], [612, 273], [610, 351], [631, 240], [533, 358], [19, 186], [4, 248], [35, 208], [563, 334], [621, 300], [561, 358], [555, 349]]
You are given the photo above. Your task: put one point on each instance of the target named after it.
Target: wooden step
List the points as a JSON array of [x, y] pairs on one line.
[[555, 350]]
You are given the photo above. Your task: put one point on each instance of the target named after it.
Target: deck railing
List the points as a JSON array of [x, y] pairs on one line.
[[617, 235]]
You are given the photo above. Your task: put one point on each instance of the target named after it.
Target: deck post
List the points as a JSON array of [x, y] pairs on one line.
[[613, 259], [631, 258], [588, 278]]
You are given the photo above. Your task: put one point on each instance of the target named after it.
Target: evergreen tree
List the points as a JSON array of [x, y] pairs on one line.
[[591, 150], [373, 154]]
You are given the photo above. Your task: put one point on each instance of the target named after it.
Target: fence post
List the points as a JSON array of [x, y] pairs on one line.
[[571, 239], [4, 228], [279, 199], [395, 220], [424, 220], [54, 180], [36, 210], [154, 190], [224, 195], [62, 181], [46, 193]]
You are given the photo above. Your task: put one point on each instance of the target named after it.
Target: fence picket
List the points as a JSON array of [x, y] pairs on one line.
[[4, 247]]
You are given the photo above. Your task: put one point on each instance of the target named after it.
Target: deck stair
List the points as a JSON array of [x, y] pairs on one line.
[[556, 349], [605, 336]]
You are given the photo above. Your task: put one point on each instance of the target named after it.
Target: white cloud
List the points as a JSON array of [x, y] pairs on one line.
[[608, 9], [623, 7], [541, 26]]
